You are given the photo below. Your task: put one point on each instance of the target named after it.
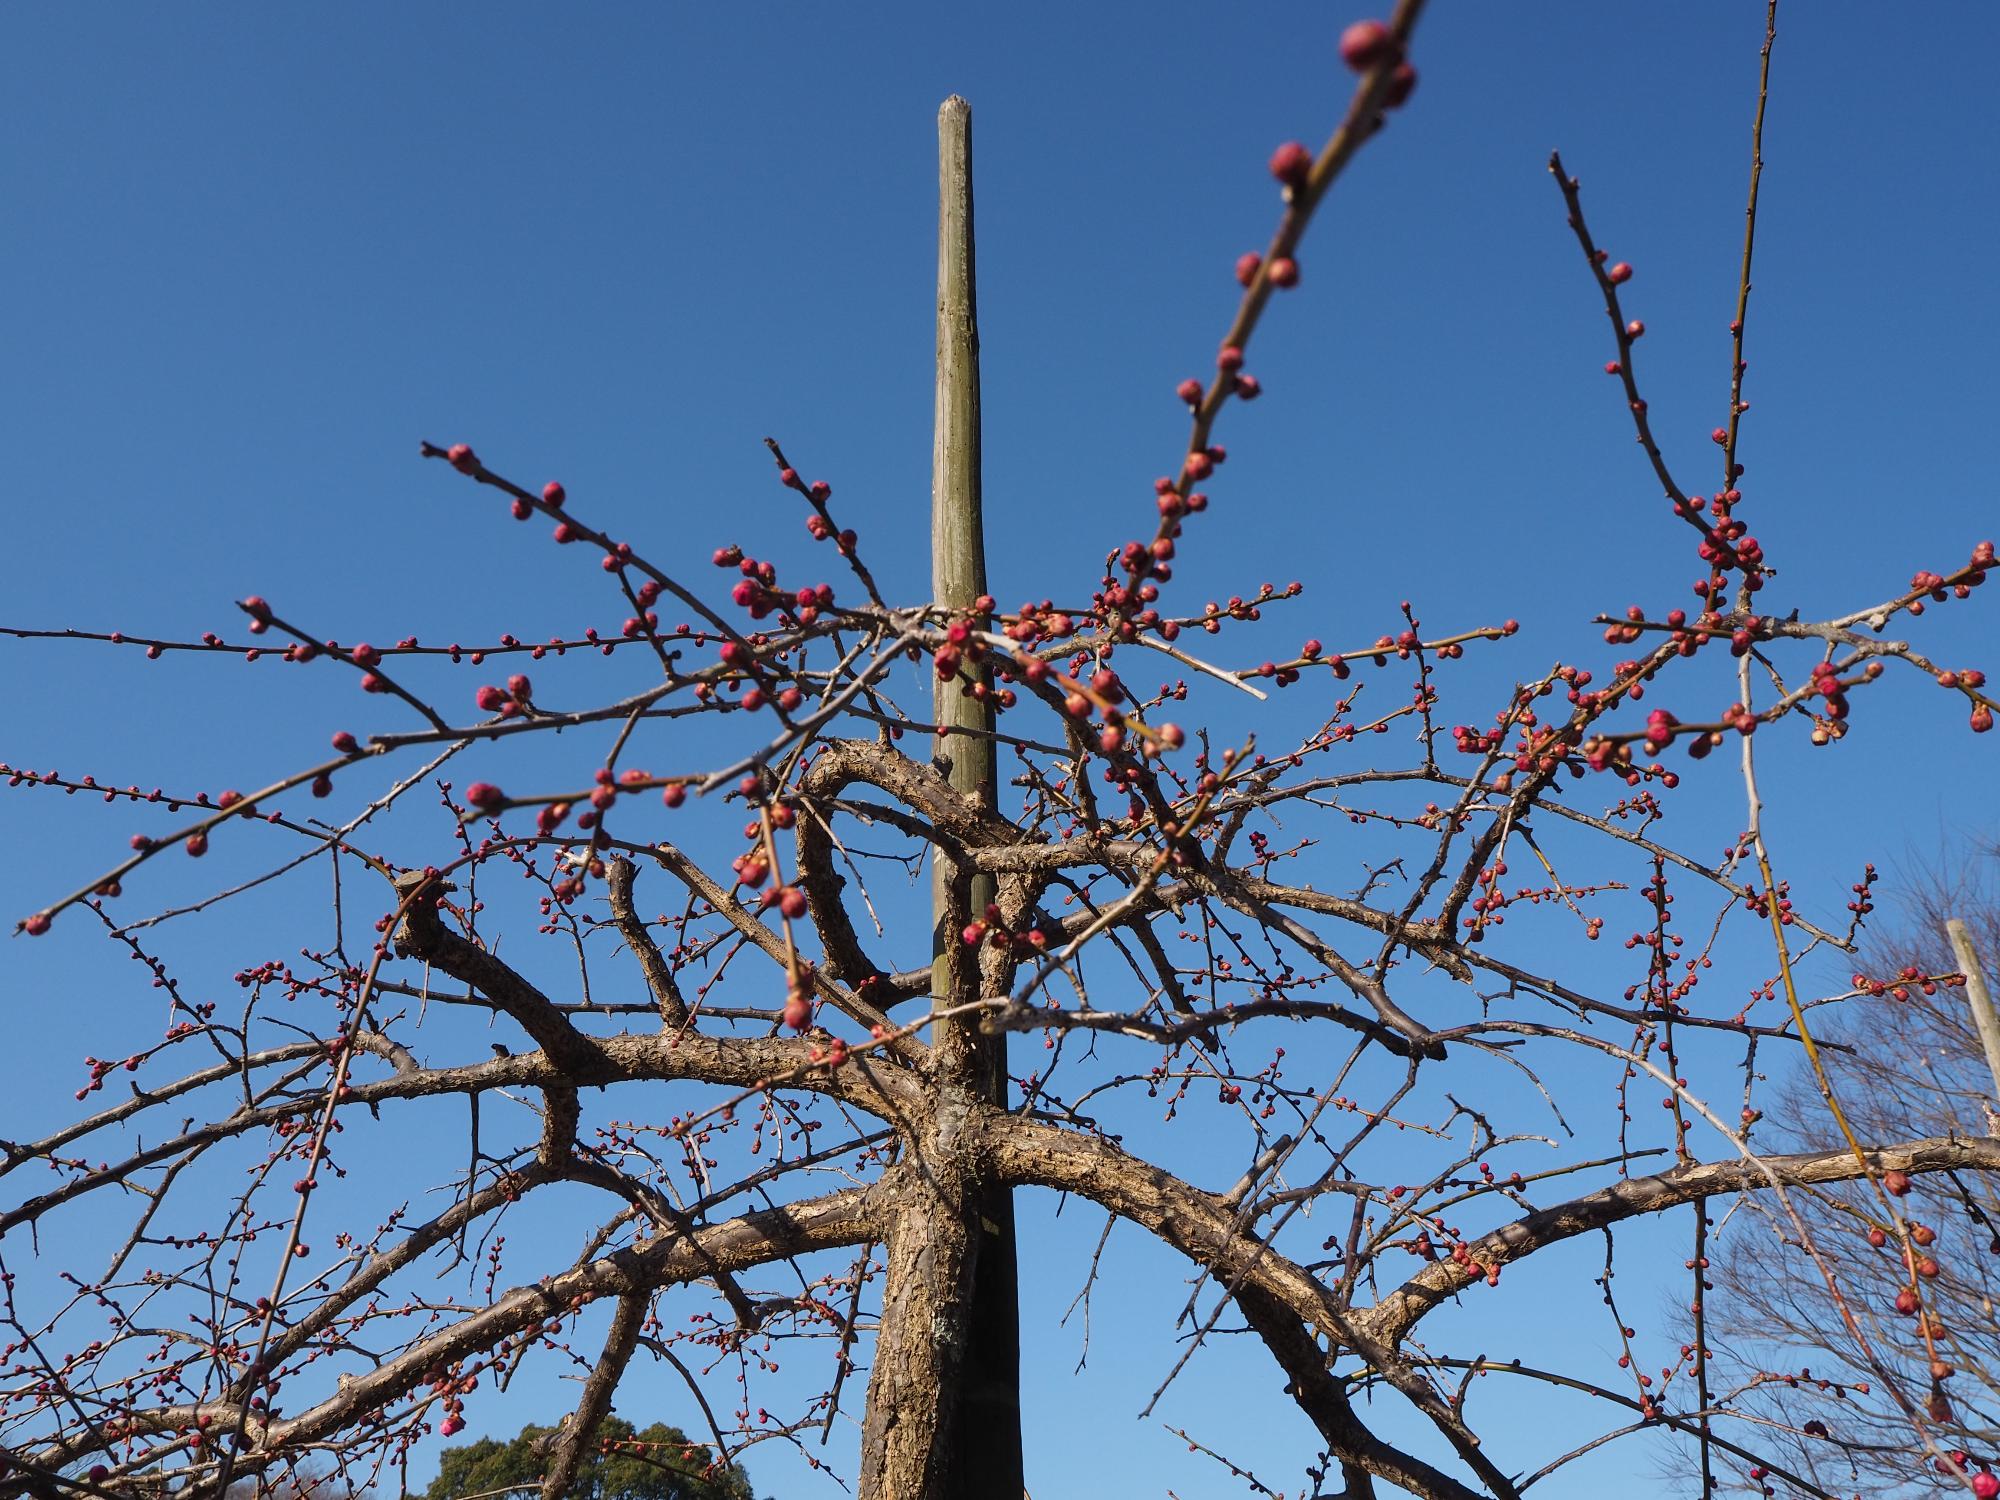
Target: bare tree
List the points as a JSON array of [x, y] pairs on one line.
[[1911, 1063], [677, 881]]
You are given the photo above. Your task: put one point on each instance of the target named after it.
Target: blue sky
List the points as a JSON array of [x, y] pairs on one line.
[[254, 255]]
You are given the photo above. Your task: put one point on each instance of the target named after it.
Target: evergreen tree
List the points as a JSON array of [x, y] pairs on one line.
[[623, 1463]]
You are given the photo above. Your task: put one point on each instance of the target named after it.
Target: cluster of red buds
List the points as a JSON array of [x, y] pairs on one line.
[[992, 930]]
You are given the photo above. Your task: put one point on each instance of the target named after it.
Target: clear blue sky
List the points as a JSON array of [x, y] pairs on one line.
[[253, 255]]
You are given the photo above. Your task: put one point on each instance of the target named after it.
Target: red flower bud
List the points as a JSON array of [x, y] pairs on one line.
[[1366, 43], [1290, 163]]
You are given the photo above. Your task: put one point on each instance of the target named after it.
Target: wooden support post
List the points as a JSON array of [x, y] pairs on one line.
[[984, 1461], [1983, 1018], [958, 536]]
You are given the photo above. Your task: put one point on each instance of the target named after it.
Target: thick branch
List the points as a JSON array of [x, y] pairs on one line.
[[1362, 1455], [627, 1319], [846, 1217], [659, 974], [1391, 1319], [422, 936], [1205, 1229]]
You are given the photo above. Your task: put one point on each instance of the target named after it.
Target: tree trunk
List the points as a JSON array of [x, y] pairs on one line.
[[907, 1450]]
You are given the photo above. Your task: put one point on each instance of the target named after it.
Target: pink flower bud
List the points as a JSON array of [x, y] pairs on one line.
[[1290, 163], [1366, 43]]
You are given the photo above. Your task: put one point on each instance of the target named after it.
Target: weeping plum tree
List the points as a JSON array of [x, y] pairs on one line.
[[669, 883]]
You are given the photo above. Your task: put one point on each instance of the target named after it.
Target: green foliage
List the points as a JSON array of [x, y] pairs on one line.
[[660, 1463]]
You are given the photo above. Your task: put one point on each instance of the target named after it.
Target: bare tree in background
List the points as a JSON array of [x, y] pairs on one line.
[[759, 1088], [1910, 1061]]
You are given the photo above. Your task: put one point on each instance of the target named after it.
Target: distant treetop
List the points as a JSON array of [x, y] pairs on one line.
[[659, 1463]]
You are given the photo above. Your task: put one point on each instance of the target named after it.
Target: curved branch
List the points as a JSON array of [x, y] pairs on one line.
[[1391, 1319], [421, 935], [1202, 1227], [619, 873]]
